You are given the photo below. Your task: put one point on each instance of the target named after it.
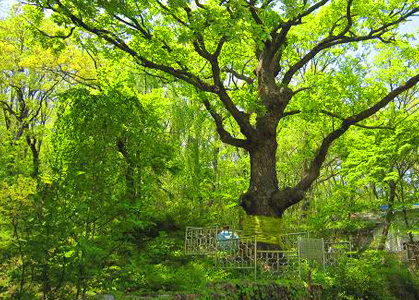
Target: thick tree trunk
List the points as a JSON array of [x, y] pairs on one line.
[[264, 198], [261, 197]]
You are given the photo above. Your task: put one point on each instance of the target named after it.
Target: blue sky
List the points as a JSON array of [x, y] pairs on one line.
[[4, 7]]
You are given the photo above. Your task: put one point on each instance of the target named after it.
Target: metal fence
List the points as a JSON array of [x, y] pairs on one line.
[[290, 240], [201, 240], [241, 252], [277, 263], [334, 250]]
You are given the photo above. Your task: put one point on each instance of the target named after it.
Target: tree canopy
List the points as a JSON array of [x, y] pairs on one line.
[[260, 63], [122, 123]]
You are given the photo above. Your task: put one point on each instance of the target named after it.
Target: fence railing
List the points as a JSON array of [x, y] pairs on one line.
[[276, 262], [201, 240], [232, 250], [334, 250]]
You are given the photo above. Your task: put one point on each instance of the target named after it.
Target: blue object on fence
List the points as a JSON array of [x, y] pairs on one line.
[[227, 240]]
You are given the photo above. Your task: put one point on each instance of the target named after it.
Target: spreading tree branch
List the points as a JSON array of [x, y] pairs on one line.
[[243, 77], [183, 74], [58, 36], [225, 136], [342, 38], [119, 43], [333, 115], [297, 193]]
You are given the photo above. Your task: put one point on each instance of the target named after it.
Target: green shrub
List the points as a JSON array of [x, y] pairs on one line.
[[401, 281], [371, 275], [161, 266]]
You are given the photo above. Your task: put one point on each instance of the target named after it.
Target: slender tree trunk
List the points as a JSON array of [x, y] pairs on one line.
[[406, 221], [80, 277], [389, 217], [45, 280], [22, 257], [32, 143], [129, 172]]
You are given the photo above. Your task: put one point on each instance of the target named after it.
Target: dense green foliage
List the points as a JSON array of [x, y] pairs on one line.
[[123, 123], [371, 276]]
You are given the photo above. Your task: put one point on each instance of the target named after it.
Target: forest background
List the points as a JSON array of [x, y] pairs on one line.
[[103, 163]]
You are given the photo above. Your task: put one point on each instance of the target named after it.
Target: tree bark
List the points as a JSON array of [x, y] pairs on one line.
[[406, 221], [131, 192], [32, 143], [389, 217], [258, 200]]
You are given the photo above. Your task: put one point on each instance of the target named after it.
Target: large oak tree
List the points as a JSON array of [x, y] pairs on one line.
[[249, 61]]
